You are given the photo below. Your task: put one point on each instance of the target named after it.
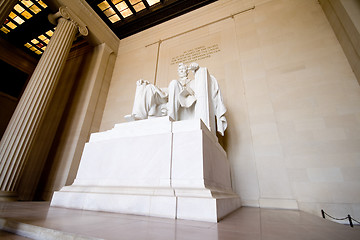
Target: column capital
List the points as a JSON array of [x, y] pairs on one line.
[[66, 13]]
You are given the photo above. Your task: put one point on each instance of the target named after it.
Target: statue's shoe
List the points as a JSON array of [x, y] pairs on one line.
[[129, 118]]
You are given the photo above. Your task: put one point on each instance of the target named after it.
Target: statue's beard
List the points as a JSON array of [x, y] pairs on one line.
[[182, 75]]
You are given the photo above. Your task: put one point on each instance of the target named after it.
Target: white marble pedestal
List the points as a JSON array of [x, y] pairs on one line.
[[153, 167]]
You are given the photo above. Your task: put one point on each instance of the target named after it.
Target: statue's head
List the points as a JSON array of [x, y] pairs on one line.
[[182, 70]]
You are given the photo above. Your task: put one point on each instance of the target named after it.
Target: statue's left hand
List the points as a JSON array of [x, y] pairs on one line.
[[142, 81]]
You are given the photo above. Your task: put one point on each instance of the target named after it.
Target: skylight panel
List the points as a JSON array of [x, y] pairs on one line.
[[12, 15], [42, 4], [11, 25], [152, 2], [26, 14], [35, 41], [103, 5], [35, 9], [19, 8], [50, 33], [42, 37], [114, 18], [126, 13], [22, 11], [38, 44], [18, 20], [121, 6], [5, 30], [139, 6], [117, 10], [27, 3], [109, 11]]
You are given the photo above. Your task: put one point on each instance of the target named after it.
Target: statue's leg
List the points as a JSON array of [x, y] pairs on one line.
[[142, 100], [173, 104], [148, 99]]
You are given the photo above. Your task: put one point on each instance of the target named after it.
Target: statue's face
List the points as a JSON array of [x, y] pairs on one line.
[[182, 71]]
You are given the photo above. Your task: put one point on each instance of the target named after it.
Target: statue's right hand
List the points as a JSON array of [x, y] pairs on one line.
[[142, 81]]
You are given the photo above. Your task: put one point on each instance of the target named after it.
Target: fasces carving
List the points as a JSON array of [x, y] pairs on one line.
[[184, 99]]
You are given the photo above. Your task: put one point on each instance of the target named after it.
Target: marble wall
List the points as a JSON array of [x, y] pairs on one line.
[[293, 101]]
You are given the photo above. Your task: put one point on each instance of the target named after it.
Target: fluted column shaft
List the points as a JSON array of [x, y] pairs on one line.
[[24, 124], [5, 8]]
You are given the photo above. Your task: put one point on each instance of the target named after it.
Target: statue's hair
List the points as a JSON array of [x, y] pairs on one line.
[[182, 64]]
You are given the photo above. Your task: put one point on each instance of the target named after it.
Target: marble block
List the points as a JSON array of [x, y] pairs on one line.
[[153, 167]]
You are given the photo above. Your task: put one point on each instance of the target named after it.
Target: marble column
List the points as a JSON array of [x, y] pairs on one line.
[[24, 124], [5, 8]]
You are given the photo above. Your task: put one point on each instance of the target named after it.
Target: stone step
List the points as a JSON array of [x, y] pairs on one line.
[[12, 229]]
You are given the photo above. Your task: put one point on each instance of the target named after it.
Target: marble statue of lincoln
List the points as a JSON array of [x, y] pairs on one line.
[[183, 99]]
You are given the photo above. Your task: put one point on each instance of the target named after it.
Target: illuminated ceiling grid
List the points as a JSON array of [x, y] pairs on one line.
[[116, 10], [38, 44], [22, 11], [27, 25]]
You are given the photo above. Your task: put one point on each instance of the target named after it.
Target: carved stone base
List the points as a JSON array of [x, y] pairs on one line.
[[153, 167]]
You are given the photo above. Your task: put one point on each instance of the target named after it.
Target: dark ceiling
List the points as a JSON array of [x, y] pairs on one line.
[[28, 29], [147, 17], [28, 35], [24, 29]]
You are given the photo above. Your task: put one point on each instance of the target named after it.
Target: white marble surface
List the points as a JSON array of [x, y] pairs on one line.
[[139, 204], [131, 161], [206, 209], [151, 126], [198, 161], [37, 220], [165, 169]]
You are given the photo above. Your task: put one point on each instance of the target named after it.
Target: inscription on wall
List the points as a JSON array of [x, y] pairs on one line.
[[196, 54]]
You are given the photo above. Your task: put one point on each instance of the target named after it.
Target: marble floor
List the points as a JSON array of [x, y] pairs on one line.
[[37, 220]]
